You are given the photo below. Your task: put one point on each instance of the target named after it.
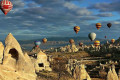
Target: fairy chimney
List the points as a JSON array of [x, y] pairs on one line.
[[42, 63], [119, 75], [74, 48], [76, 72], [83, 73], [110, 75], [1, 51], [80, 73], [114, 73], [16, 64]]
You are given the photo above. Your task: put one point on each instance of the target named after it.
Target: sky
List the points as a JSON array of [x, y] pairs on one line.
[[34, 19]]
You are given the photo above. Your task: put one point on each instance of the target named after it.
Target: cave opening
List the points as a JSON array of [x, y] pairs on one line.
[[41, 65], [14, 53]]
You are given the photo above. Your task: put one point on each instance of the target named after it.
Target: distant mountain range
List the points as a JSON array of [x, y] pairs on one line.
[[56, 39], [56, 42]]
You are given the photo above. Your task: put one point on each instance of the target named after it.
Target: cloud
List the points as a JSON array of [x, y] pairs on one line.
[[50, 18], [105, 15], [106, 7]]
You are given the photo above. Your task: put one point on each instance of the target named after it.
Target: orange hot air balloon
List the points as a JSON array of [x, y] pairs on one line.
[[6, 6], [112, 40], [97, 43], [80, 44], [98, 25], [71, 41], [76, 29], [44, 40]]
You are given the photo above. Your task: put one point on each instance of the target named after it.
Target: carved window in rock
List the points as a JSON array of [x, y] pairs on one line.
[[14, 53], [41, 65]]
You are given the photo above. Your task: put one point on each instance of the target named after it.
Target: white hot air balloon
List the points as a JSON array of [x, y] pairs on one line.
[[92, 36]]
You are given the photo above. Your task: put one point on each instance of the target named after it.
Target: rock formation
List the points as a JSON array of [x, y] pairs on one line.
[[1, 51], [34, 51], [112, 75], [83, 73], [73, 48], [42, 63], [80, 73], [16, 65]]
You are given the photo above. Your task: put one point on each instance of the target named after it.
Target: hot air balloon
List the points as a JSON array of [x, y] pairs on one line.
[[44, 40], [92, 36], [105, 37], [80, 44], [6, 6], [109, 25], [97, 43], [37, 43], [71, 41], [76, 29], [98, 25], [112, 40]]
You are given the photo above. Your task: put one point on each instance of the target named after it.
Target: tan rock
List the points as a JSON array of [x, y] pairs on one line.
[[83, 73], [42, 63], [114, 73], [73, 48], [15, 63], [110, 75], [1, 51]]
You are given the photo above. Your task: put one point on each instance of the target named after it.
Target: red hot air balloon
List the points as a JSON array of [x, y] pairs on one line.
[[6, 6], [105, 37]]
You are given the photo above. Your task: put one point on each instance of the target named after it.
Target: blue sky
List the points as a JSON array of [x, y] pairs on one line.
[[32, 19]]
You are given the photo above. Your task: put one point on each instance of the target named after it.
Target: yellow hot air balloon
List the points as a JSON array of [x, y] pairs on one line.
[[97, 43], [98, 25], [44, 40], [71, 41], [112, 40], [76, 29]]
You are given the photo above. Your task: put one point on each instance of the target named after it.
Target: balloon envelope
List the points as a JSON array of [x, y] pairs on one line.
[[105, 36], [6, 6], [112, 40], [37, 43], [44, 40], [71, 41], [76, 29], [109, 25], [97, 43], [98, 25], [92, 36]]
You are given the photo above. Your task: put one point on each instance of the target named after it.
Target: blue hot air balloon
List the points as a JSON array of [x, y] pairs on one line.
[[37, 43]]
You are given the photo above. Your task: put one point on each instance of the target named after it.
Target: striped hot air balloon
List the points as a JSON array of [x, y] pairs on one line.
[[44, 40], [71, 41], [76, 29], [98, 25], [112, 40], [97, 43], [6, 6], [37, 43]]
